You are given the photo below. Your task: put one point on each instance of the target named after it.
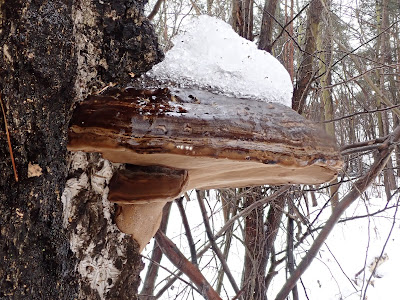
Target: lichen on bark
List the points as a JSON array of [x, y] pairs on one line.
[[44, 69], [108, 259]]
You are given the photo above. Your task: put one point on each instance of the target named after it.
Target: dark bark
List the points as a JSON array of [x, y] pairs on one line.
[[242, 18], [35, 260], [256, 258], [289, 249], [53, 54], [305, 72], [267, 23]]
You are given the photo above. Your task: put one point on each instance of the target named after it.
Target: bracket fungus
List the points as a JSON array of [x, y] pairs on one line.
[[176, 139]]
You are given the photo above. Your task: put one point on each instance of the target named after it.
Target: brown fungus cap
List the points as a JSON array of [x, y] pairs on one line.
[[174, 140], [219, 141]]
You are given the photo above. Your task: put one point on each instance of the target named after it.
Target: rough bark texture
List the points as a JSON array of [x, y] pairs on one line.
[[305, 72], [256, 258], [242, 18], [54, 53], [267, 25], [35, 260]]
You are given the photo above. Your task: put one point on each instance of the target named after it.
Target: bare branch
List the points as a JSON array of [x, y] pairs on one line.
[[152, 271], [188, 232], [155, 10], [179, 260], [370, 82], [214, 245], [358, 188], [383, 248], [251, 207], [362, 113], [226, 227]]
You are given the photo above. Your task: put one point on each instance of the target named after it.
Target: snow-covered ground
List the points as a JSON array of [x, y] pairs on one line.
[[352, 247], [345, 262]]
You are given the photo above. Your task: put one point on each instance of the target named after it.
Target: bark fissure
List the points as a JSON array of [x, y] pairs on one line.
[[54, 54]]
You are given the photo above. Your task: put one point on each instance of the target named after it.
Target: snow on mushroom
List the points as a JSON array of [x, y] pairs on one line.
[[232, 142], [209, 54], [232, 128]]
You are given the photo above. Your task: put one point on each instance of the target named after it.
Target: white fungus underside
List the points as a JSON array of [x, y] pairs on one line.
[[209, 54]]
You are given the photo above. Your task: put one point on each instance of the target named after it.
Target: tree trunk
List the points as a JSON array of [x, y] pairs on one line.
[[290, 247], [255, 258], [267, 23], [324, 46], [242, 18], [289, 47], [54, 54], [259, 240], [305, 72], [385, 58]]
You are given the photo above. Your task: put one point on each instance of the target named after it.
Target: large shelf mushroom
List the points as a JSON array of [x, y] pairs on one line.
[[174, 140]]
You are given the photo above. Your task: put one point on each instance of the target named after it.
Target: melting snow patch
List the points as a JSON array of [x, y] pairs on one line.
[[209, 54]]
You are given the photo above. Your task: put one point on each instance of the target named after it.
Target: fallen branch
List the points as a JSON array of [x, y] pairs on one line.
[[179, 260], [358, 188]]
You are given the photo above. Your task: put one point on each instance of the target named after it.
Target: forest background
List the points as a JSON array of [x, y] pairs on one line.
[[343, 58]]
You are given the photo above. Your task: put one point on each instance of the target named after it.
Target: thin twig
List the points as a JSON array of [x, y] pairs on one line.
[[222, 231], [362, 113], [9, 141], [170, 272], [361, 149], [176, 257], [358, 188], [250, 208], [365, 43], [214, 245], [287, 24], [365, 143], [340, 267], [274, 263], [188, 233], [383, 248]]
